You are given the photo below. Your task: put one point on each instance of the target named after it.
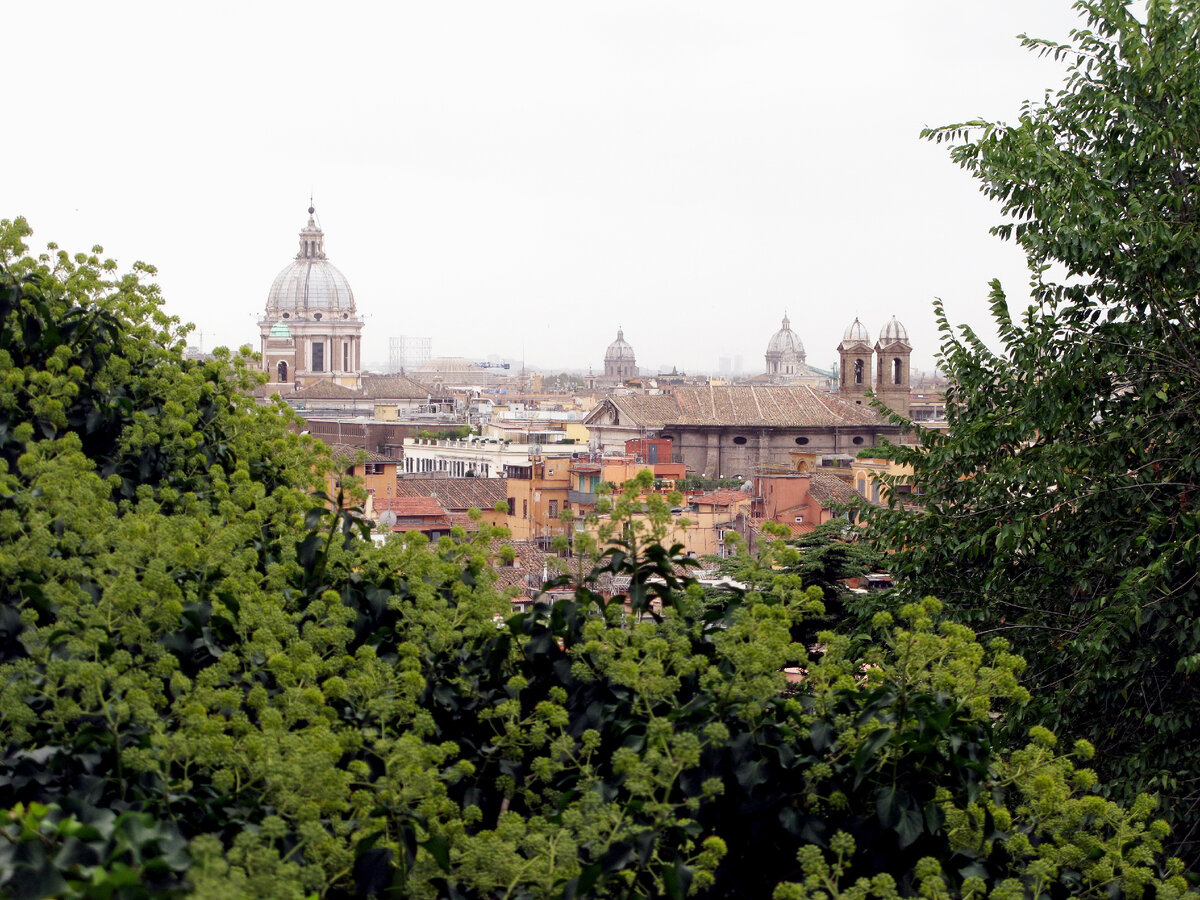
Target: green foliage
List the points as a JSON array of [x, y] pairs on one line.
[[698, 483], [209, 654], [448, 434], [1060, 508]]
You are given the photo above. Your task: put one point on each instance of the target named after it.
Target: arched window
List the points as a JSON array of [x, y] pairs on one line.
[[282, 371], [858, 371], [896, 370]]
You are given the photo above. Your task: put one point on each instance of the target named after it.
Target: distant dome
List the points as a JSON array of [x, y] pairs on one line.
[[893, 331], [618, 349], [856, 332], [311, 283], [785, 341]]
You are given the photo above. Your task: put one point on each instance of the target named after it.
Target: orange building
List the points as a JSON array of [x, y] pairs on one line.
[[538, 493], [377, 472]]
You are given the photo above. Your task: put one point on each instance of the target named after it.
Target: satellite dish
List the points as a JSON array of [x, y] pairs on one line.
[[387, 518]]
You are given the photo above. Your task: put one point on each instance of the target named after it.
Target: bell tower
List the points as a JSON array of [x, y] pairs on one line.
[[854, 352], [892, 355]]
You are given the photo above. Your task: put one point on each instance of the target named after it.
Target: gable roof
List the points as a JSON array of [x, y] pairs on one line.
[[394, 387], [827, 489], [746, 405], [325, 390], [796, 406], [349, 454]]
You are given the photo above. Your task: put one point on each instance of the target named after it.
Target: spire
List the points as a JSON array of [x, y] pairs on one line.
[[787, 325], [312, 239]]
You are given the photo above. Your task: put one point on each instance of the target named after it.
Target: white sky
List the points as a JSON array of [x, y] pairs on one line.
[[521, 178]]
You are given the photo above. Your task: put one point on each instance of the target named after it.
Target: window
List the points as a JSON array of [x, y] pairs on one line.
[[858, 440], [553, 509], [524, 509], [512, 506], [858, 371], [282, 371], [801, 441], [896, 371], [318, 356], [739, 440], [345, 357]]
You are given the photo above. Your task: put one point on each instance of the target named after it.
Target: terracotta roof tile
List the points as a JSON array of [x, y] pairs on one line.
[[348, 453], [325, 390], [720, 498], [457, 493], [828, 489], [412, 506], [394, 387], [747, 405]]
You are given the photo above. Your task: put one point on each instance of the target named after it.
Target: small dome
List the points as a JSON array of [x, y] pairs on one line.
[[785, 340], [311, 282], [893, 331], [618, 349], [856, 332], [280, 330]]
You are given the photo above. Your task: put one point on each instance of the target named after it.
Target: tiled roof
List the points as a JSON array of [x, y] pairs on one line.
[[457, 493], [411, 506], [394, 387], [795, 406], [720, 498], [528, 568], [350, 454], [325, 390], [746, 405], [828, 489], [643, 410], [796, 528]]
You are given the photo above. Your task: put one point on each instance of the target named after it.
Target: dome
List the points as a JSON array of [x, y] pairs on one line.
[[893, 331], [618, 349], [280, 330], [311, 282], [856, 332], [785, 340]]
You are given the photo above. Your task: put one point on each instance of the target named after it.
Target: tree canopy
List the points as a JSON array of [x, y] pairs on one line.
[[1060, 508], [213, 683]]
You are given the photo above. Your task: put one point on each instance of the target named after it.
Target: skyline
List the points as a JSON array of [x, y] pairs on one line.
[[520, 181]]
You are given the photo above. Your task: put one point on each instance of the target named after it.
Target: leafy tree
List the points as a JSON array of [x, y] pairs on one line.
[[215, 683], [1060, 508]]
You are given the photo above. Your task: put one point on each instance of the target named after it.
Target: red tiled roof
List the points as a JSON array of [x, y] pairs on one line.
[[828, 489], [720, 498], [394, 387], [411, 506], [746, 405], [457, 493], [325, 390], [348, 453]]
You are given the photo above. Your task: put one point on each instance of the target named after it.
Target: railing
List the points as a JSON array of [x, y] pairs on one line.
[[582, 497]]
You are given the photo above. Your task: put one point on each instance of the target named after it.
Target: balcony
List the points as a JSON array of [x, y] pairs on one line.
[[586, 498]]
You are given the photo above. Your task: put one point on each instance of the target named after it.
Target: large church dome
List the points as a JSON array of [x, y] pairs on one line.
[[311, 283], [785, 341], [618, 349]]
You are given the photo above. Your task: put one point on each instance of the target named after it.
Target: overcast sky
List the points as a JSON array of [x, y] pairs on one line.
[[517, 178]]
